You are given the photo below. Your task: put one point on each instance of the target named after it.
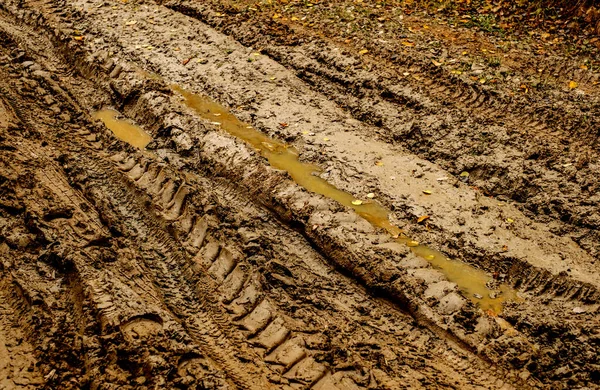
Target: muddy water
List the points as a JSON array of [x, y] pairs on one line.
[[471, 281], [123, 130]]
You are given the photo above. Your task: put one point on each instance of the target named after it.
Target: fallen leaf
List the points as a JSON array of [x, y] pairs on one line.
[[572, 85], [325, 139], [283, 124], [464, 174], [584, 67], [436, 63], [408, 43], [504, 248], [412, 244], [363, 51], [370, 195], [578, 310], [131, 23], [422, 218], [427, 192], [185, 62], [379, 163], [510, 220], [357, 202], [429, 257], [294, 18], [79, 38]]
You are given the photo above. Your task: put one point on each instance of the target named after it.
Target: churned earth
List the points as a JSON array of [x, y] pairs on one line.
[[292, 195]]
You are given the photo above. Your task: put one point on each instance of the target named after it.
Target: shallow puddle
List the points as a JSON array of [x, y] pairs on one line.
[[471, 281], [122, 129]]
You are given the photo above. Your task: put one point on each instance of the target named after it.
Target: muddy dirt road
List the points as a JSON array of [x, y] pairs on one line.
[[197, 196]]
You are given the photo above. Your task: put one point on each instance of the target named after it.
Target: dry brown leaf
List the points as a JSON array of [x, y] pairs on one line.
[[422, 218]]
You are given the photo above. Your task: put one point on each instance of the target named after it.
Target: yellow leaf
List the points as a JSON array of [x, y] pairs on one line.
[[325, 139], [464, 174], [584, 67], [456, 71], [294, 18], [422, 218], [357, 202], [363, 51], [572, 85], [430, 257], [436, 63], [408, 43], [78, 38], [412, 243], [510, 220], [379, 163], [427, 192]]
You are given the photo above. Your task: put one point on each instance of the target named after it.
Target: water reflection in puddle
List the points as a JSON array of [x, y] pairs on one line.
[[122, 129], [471, 281]]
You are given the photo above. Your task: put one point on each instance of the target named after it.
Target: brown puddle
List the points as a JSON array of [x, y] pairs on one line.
[[471, 281], [122, 129]]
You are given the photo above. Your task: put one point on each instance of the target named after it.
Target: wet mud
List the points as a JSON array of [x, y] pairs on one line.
[[230, 224]]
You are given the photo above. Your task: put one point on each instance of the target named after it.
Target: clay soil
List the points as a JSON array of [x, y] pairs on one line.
[[204, 261]]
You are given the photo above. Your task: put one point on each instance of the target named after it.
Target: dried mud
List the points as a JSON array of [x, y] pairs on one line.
[[193, 263]]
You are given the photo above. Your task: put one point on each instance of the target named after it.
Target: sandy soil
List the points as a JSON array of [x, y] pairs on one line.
[[306, 215]]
